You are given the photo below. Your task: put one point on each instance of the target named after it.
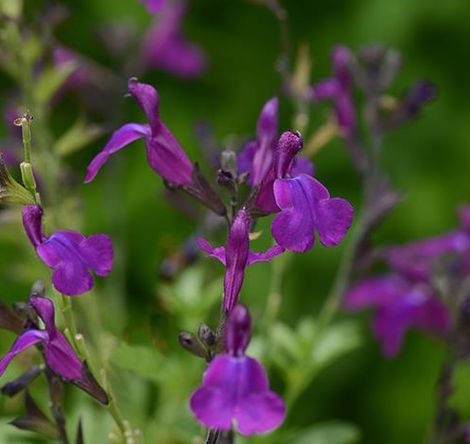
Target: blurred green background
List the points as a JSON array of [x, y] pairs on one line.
[[391, 401]]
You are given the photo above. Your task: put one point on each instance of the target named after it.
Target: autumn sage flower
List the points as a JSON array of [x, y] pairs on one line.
[[235, 389], [236, 256], [164, 153], [303, 203], [338, 89], [400, 304], [165, 46], [257, 157], [154, 6], [59, 355], [70, 254]]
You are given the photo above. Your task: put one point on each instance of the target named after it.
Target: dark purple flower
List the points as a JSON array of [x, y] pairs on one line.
[[154, 6], [164, 152], [236, 256], [338, 88], [80, 76], [400, 304], [167, 49], [258, 156], [70, 254], [59, 355], [235, 387], [303, 203]]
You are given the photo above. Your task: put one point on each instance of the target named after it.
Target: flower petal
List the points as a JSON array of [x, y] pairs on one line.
[[260, 413], [147, 98], [24, 341], [216, 253], [154, 6], [333, 220], [32, 223], [71, 277], [265, 256], [45, 310], [212, 408], [97, 250], [61, 357], [122, 137], [302, 165]]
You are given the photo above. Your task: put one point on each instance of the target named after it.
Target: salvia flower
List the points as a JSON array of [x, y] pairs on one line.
[[70, 254], [258, 155], [59, 355], [164, 152], [400, 304], [154, 6], [339, 89], [303, 203], [236, 256], [165, 46], [235, 389]]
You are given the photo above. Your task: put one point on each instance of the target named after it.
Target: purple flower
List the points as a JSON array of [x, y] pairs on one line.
[[303, 203], [65, 56], [400, 304], [235, 387], [154, 6], [258, 155], [164, 152], [338, 88], [58, 353], [236, 256], [70, 254], [166, 48]]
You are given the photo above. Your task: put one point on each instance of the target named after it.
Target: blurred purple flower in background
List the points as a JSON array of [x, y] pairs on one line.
[[400, 304], [236, 256], [339, 90], [70, 254], [164, 153], [165, 46], [235, 387], [154, 6]]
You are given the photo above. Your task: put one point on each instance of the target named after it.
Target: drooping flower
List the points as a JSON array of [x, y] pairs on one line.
[[235, 387], [258, 155], [164, 153], [59, 355], [400, 304], [165, 46], [303, 203], [70, 254], [338, 89], [236, 256]]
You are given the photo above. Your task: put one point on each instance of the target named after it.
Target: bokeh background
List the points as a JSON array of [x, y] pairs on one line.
[[390, 401]]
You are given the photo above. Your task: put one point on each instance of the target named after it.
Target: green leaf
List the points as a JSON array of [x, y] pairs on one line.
[[339, 339], [11, 8], [143, 360], [51, 79], [79, 135], [328, 433]]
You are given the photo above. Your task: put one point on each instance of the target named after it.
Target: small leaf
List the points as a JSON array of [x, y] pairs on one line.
[[79, 135], [339, 339], [328, 433], [51, 79]]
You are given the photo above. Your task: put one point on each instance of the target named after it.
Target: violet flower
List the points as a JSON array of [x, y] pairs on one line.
[[153, 6], [400, 304], [70, 254], [164, 152], [236, 256], [258, 155], [235, 387], [59, 355], [338, 88], [303, 203], [166, 48]]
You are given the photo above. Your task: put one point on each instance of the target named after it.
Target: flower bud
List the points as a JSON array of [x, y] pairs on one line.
[[191, 343], [207, 335]]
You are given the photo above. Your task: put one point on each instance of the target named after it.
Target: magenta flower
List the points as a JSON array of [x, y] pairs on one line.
[[236, 256], [154, 6], [400, 304], [59, 355], [166, 48], [258, 155], [81, 74], [235, 387], [303, 203], [338, 88], [164, 152], [70, 254]]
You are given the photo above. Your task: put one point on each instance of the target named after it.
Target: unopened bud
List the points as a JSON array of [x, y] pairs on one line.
[[27, 176], [228, 162], [191, 343], [207, 335]]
